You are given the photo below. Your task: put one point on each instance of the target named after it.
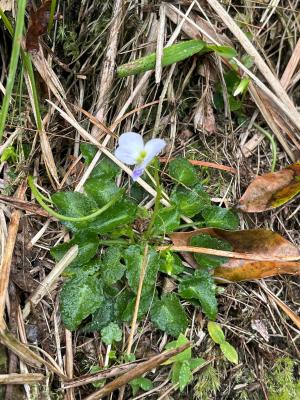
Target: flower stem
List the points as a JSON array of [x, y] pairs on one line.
[[156, 205], [61, 217]]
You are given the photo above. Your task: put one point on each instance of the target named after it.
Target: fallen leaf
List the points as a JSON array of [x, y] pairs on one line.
[[260, 327], [271, 190], [38, 24], [258, 242]]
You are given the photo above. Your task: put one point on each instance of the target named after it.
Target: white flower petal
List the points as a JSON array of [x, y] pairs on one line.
[[130, 146], [125, 155], [131, 139], [153, 147]]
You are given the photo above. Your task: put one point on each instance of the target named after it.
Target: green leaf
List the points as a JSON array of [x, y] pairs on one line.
[[112, 269], [134, 258], [215, 332], [76, 204], [182, 171], [86, 269], [223, 51], [196, 362], [175, 372], [217, 217], [185, 375], [207, 241], [79, 298], [184, 355], [190, 201], [87, 248], [170, 263], [101, 191], [166, 221], [111, 333], [126, 302], [106, 169], [229, 352], [101, 317], [140, 383], [9, 154], [172, 54], [88, 151], [242, 86], [122, 213], [168, 315], [201, 287], [247, 60]]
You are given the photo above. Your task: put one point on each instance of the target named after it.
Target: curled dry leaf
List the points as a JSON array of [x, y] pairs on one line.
[[255, 241], [38, 23], [271, 190]]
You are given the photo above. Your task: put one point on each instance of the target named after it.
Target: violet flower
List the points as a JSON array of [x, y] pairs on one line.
[[133, 151]]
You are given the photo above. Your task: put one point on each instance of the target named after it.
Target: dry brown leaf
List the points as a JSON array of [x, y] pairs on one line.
[[259, 242], [6, 5], [271, 190], [38, 24]]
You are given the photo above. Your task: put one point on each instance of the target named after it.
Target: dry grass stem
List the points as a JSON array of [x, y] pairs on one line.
[[45, 286]]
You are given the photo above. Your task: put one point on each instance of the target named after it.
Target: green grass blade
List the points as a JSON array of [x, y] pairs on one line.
[[13, 64]]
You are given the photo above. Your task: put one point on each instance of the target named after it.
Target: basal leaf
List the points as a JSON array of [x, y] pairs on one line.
[[134, 258], [121, 213], [201, 287], [168, 315], [101, 191], [182, 171], [88, 151], [167, 220], [74, 204], [87, 248], [79, 298], [229, 352], [112, 269], [111, 333], [207, 241], [105, 169], [102, 316], [215, 332], [190, 201], [125, 303], [217, 217]]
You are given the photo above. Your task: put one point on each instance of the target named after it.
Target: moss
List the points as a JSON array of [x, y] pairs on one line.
[[207, 384], [280, 381]]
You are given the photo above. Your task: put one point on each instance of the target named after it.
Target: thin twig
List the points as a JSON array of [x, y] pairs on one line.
[[7, 258], [141, 369]]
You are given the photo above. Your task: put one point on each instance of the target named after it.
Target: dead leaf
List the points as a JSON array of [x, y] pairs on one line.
[[271, 190], [38, 24], [6, 5], [258, 242], [260, 327]]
